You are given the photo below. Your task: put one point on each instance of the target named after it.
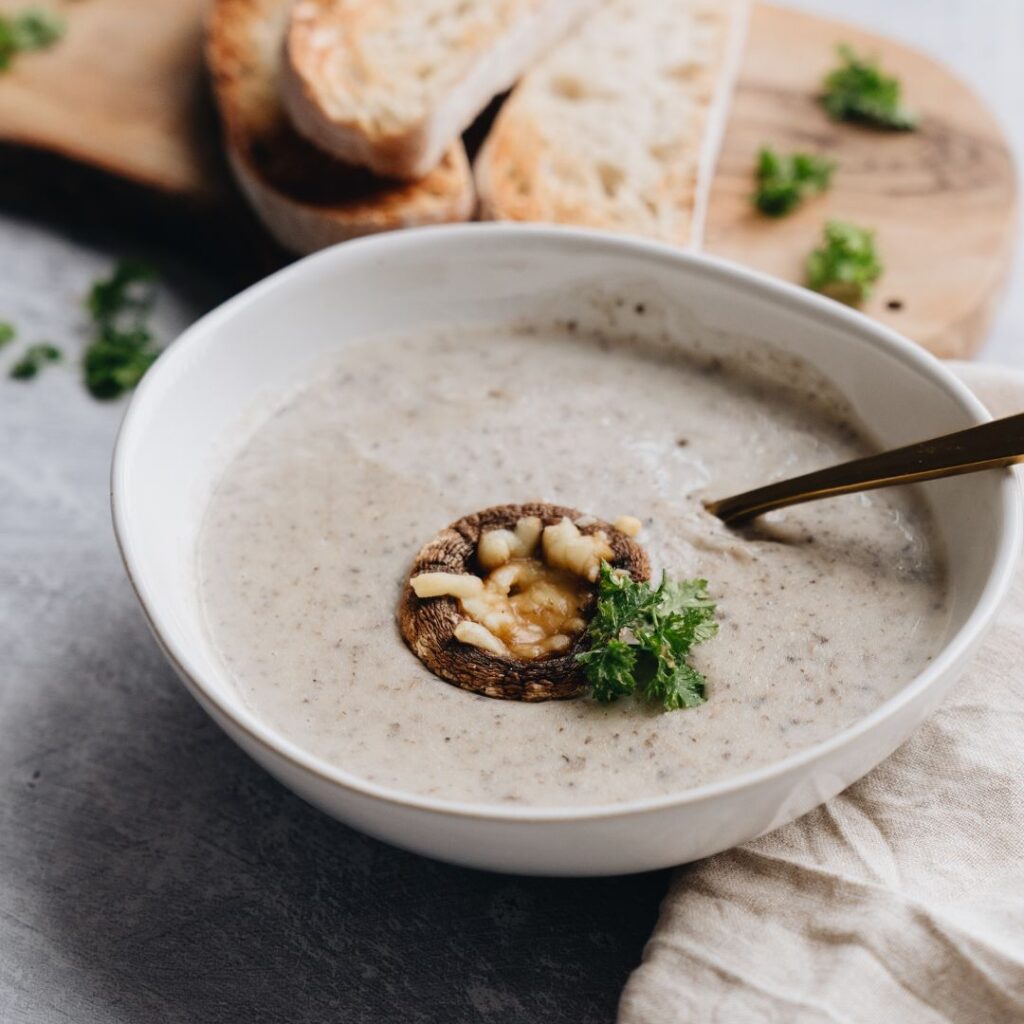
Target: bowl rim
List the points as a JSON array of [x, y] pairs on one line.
[[185, 349]]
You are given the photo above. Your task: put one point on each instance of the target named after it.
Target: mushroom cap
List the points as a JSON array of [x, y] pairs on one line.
[[428, 624]]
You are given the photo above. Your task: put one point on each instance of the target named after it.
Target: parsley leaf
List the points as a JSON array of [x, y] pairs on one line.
[[117, 361], [7, 333], [858, 90], [123, 347], [34, 359], [783, 182], [36, 29], [640, 637], [846, 265], [127, 290], [29, 30]]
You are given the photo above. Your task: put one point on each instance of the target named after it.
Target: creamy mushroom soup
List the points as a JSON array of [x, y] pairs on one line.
[[825, 610]]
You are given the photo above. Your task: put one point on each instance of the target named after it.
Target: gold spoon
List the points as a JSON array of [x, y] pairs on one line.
[[990, 446]]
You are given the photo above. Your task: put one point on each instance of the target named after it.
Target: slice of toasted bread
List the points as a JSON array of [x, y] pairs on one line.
[[307, 199], [619, 126], [390, 84]]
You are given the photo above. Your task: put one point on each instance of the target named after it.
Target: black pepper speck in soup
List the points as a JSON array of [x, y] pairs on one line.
[[825, 610]]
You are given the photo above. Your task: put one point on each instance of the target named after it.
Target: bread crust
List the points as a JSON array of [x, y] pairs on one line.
[[428, 624], [332, 105], [307, 199]]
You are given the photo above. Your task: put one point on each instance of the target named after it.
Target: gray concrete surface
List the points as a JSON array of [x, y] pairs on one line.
[[148, 871]]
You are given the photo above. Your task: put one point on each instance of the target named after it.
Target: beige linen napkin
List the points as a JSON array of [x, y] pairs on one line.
[[901, 900]]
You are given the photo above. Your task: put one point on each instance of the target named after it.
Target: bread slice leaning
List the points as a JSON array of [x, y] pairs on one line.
[[390, 84], [619, 126], [305, 198]]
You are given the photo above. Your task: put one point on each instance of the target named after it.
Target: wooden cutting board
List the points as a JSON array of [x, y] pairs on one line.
[[125, 91], [942, 199]]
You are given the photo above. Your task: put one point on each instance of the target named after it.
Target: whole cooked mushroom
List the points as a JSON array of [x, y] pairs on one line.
[[429, 625]]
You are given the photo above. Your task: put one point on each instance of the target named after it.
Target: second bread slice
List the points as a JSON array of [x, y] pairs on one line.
[[305, 198], [619, 126]]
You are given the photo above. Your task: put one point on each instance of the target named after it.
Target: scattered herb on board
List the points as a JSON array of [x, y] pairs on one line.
[[858, 90], [34, 359], [640, 638], [7, 333], [123, 346], [34, 29], [846, 265], [783, 182]]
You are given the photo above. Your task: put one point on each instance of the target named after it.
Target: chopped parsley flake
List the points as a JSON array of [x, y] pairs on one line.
[[34, 359], [846, 265], [640, 638], [783, 182], [123, 346], [858, 90], [127, 290], [34, 29]]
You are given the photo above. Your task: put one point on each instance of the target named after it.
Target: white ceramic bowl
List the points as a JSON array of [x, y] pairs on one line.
[[267, 338]]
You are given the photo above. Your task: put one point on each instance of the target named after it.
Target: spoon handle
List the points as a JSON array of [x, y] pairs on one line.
[[989, 446]]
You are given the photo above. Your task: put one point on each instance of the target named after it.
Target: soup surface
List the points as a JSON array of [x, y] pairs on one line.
[[825, 610]]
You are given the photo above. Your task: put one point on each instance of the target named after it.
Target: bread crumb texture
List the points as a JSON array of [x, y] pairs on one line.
[[609, 130]]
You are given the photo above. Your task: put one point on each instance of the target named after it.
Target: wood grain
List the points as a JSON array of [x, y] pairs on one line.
[[942, 199], [125, 92]]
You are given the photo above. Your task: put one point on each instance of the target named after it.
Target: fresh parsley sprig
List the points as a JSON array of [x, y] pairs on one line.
[[640, 638], [783, 182], [846, 264], [858, 90], [123, 346], [29, 30]]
